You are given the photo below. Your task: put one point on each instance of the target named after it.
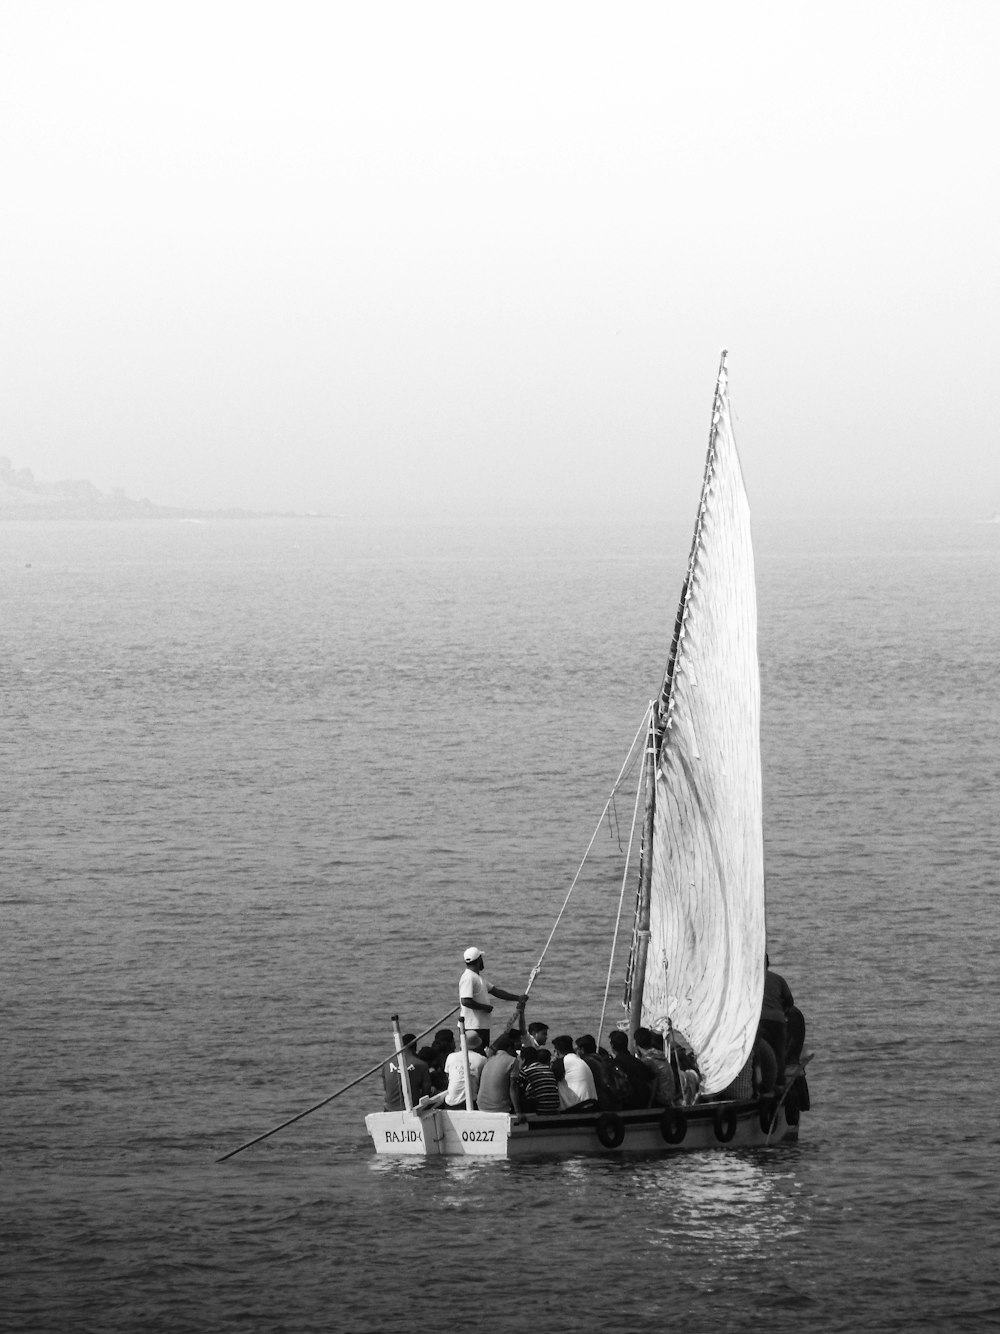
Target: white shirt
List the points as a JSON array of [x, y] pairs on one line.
[[578, 1084], [474, 985], [454, 1068]]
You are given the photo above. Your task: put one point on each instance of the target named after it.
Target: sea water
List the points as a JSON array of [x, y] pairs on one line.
[[264, 781]]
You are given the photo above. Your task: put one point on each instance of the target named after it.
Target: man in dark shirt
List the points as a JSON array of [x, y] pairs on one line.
[[416, 1069], [608, 1097], [640, 1078], [432, 1058], [774, 1015]]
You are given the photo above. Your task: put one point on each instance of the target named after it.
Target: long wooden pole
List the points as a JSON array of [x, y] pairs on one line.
[[404, 1074], [621, 897], [645, 882], [465, 1064], [292, 1119]]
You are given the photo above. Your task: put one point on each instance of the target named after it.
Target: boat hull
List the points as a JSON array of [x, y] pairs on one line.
[[654, 1130]]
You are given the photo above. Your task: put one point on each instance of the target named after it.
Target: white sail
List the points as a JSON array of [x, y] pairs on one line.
[[705, 960]]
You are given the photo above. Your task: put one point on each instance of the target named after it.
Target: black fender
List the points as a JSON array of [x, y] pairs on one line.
[[673, 1125], [724, 1123], [610, 1129]]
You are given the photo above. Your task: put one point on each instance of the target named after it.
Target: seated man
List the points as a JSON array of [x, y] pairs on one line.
[[434, 1061], [577, 1090], [608, 1099], [454, 1068], [539, 1034], [685, 1064], [416, 1069], [444, 1040], [649, 1049], [639, 1076], [534, 1087], [495, 1078]]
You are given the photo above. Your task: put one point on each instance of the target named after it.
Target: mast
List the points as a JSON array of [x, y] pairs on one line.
[[640, 946]]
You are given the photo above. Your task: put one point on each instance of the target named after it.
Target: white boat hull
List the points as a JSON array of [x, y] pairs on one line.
[[654, 1130]]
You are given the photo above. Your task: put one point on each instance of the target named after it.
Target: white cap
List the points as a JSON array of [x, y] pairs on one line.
[[472, 954]]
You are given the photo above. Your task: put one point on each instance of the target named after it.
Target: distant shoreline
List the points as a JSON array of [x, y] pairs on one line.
[[23, 498], [138, 511]]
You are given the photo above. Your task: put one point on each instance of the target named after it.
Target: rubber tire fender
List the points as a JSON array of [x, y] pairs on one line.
[[673, 1126], [724, 1124], [768, 1108], [610, 1130]]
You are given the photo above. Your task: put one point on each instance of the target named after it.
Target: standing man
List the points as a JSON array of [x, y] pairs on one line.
[[473, 995], [774, 1015]]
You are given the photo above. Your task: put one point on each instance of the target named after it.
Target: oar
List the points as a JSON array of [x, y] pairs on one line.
[[781, 1101], [299, 1115]]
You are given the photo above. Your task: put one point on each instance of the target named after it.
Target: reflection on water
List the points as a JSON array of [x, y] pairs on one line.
[[743, 1202], [730, 1199]]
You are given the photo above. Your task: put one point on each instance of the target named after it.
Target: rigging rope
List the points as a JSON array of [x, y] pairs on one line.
[[628, 860], [583, 861]]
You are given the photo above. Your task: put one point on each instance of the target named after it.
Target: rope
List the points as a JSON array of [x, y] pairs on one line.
[[628, 760], [299, 1115], [621, 896]]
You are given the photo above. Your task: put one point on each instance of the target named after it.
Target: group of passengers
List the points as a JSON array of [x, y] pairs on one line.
[[518, 1072]]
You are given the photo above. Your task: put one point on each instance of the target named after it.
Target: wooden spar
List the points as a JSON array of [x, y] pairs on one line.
[[404, 1074], [645, 882], [465, 1062], [316, 1106]]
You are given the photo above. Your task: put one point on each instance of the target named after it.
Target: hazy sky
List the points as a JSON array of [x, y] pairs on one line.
[[373, 255]]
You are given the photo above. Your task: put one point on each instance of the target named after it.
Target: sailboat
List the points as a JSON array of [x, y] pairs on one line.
[[697, 958]]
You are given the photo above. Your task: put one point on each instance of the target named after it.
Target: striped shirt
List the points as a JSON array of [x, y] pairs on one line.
[[538, 1088]]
